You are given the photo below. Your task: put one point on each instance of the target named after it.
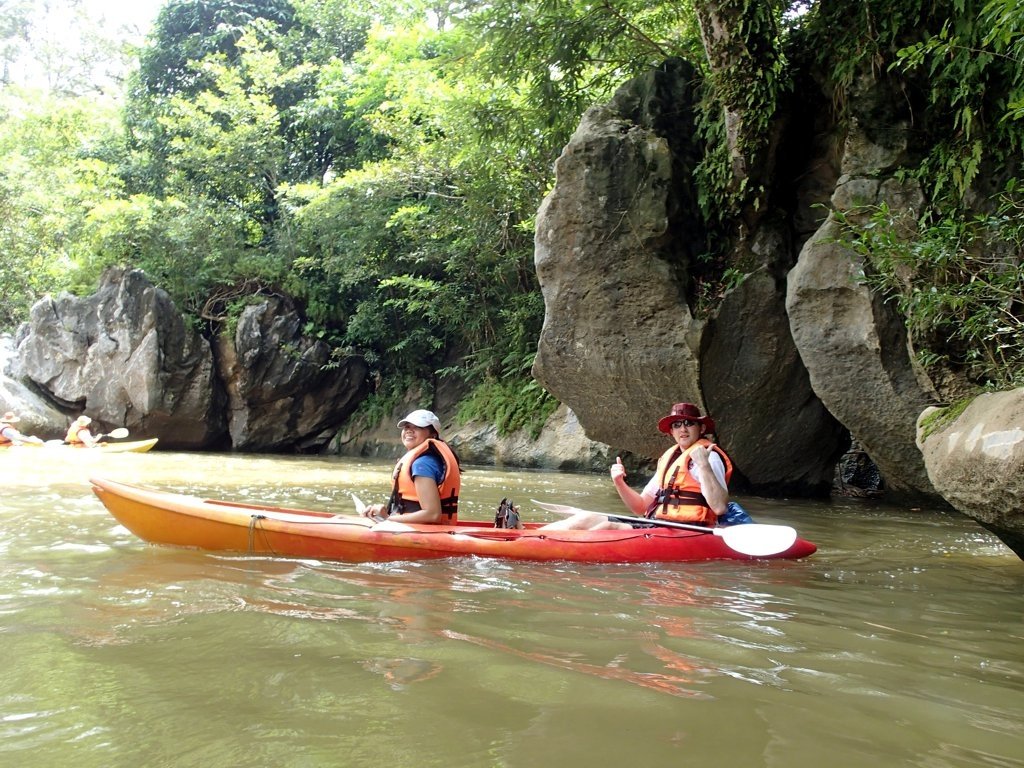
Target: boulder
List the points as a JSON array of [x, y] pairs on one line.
[[284, 390], [854, 345], [562, 444], [126, 357], [976, 461], [38, 415], [779, 435], [617, 244], [619, 343]]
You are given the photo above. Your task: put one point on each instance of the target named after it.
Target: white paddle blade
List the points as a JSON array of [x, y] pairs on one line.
[[360, 507], [757, 540], [118, 433]]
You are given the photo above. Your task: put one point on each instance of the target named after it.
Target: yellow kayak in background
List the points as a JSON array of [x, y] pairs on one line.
[[125, 446]]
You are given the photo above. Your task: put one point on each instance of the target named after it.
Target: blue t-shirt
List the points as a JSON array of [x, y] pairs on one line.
[[428, 465]]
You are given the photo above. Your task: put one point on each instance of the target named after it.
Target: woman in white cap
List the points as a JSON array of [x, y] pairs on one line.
[[427, 478], [79, 434], [9, 435]]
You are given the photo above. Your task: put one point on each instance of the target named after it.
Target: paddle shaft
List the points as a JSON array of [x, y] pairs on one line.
[[563, 509], [750, 539], [117, 434]]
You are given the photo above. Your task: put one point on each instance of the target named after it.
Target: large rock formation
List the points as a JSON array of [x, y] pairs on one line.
[[977, 462], [284, 393], [853, 344], [800, 355], [125, 356], [38, 415], [616, 244], [619, 343]]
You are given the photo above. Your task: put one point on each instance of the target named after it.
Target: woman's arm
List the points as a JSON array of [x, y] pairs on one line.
[[430, 503]]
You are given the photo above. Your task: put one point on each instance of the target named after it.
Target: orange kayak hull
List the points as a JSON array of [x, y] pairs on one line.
[[188, 521]]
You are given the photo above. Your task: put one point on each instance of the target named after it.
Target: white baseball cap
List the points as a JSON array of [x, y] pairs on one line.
[[422, 418]]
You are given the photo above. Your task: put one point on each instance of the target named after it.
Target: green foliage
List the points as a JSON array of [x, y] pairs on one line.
[[194, 250], [974, 65], [562, 56], [510, 404], [961, 66], [748, 77], [958, 282], [187, 31], [54, 170], [430, 249]]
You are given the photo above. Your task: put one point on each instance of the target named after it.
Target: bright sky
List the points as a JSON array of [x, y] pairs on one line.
[[62, 32], [117, 13]]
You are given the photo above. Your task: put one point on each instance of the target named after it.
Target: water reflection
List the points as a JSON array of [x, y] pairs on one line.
[[897, 643]]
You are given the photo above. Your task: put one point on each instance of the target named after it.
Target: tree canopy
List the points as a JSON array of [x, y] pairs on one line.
[[381, 162]]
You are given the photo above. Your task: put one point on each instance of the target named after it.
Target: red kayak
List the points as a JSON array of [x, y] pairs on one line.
[[188, 521]]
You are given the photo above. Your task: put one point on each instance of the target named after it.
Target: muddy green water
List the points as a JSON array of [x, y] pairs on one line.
[[900, 643]]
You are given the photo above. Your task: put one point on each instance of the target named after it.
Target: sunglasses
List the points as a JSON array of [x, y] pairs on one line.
[[684, 423]]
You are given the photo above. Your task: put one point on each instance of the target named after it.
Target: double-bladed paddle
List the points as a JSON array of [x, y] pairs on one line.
[[117, 434], [754, 539]]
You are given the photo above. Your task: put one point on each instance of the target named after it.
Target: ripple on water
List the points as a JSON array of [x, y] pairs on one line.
[[898, 639]]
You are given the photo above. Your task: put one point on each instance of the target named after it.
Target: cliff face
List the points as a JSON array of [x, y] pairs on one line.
[[616, 248], [798, 358], [126, 356]]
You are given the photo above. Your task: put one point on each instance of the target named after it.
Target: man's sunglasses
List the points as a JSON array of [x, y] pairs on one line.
[[684, 423]]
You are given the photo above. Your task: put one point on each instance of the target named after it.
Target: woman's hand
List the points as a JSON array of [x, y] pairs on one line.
[[375, 512]]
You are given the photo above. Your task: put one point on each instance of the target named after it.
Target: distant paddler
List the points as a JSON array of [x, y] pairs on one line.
[[79, 434], [9, 435]]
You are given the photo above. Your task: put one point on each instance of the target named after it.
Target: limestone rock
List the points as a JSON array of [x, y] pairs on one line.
[[126, 357], [616, 244], [38, 415], [561, 445], [853, 344], [977, 462], [284, 391], [778, 434], [619, 343]]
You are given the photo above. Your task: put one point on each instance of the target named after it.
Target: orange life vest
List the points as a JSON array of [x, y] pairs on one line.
[[404, 497], [4, 439], [72, 437], [679, 496]]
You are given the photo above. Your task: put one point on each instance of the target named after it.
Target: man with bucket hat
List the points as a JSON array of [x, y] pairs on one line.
[[690, 485]]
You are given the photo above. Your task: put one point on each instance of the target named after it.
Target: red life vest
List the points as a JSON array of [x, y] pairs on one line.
[[679, 496], [404, 497], [4, 439]]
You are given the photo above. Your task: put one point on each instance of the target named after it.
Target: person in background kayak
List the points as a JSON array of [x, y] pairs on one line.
[[79, 434], [427, 478], [9, 434], [691, 484]]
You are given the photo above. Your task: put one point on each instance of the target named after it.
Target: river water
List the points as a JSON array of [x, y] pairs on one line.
[[900, 643]]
